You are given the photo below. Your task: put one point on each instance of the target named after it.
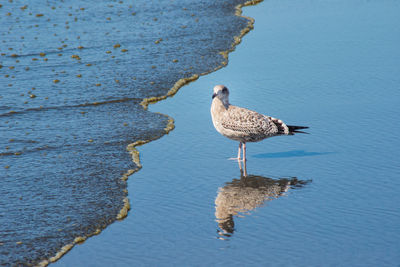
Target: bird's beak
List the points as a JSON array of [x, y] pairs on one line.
[[214, 95]]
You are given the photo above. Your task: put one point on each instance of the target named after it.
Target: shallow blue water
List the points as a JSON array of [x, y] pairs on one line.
[[72, 77], [331, 65]]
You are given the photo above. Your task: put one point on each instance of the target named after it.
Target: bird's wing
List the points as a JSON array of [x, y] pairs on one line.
[[282, 128], [249, 122]]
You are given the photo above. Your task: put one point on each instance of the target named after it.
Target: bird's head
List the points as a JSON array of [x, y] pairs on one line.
[[222, 93]]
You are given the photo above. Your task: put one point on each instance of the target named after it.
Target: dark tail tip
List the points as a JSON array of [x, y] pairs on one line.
[[295, 129]]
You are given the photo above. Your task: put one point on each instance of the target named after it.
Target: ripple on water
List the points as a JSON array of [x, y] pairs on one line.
[[72, 77]]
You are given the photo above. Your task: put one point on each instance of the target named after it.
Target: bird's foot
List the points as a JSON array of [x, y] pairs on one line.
[[238, 159]]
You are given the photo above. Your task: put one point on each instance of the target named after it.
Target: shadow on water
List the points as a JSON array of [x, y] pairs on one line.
[[240, 196], [291, 154]]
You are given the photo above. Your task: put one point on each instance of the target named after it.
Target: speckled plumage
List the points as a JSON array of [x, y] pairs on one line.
[[244, 125]]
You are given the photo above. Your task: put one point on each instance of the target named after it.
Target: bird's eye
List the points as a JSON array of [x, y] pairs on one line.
[[224, 90]]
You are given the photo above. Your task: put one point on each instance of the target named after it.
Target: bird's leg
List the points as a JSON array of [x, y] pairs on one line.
[[243, 171], [240, 168], [238, 157], [240, 145], [244, 168], [244, 152]]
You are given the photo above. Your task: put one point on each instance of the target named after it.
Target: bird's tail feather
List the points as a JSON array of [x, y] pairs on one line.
[[295, 129]]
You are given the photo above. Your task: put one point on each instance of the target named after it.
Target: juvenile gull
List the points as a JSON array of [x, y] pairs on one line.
[[245, 125]]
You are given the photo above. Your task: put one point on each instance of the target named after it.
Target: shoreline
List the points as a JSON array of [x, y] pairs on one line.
[[131, 148], [277, 71]]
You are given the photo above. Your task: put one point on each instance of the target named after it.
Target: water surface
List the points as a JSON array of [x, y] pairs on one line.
[[72, 77], [331, 65]]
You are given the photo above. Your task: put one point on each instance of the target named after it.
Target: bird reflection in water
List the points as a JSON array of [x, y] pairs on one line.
[[240, 196]]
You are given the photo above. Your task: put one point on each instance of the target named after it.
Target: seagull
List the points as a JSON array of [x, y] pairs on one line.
[[244, 125]]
